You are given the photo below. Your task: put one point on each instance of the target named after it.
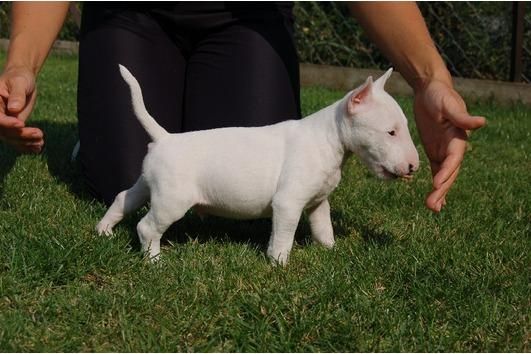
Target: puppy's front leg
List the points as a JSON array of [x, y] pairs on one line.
[[321, 224], [286, 217]]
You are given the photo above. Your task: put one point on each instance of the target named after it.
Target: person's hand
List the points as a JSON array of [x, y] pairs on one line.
[[17, 99], [442, 121]]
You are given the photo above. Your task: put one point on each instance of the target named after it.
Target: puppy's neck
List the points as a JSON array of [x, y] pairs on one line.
[[326, 124]]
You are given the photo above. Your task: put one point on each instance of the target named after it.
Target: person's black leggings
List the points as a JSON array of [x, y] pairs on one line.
[[200, 65]]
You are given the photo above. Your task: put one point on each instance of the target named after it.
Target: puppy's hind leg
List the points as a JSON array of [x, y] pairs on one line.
[[163, 213], [125, 202]]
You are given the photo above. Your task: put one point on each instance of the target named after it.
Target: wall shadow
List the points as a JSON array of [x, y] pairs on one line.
[[8, 158], [60, 141]]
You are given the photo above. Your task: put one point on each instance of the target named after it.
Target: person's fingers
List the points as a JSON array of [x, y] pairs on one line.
[[27, 134], [445, 173], [434, 196], [17, 99], [437, 197], [31, 133], [7, 122], [431, 201], [33, 144], [456, 151], [14, 133], [27, 143], [448, 167], [29, 148], [28, 139]]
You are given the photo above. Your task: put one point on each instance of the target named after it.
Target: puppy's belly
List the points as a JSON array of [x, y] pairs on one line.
[[244, 191], [232, 212]]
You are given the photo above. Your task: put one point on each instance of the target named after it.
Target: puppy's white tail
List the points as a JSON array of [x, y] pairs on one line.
[[154, 130]]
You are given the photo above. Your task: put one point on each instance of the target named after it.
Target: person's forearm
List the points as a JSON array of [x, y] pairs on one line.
[[34, 27], [400, 32]]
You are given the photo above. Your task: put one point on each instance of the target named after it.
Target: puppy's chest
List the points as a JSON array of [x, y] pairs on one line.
[[329, 183]]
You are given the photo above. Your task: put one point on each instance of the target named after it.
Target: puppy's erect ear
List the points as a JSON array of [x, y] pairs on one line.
[[380, 83], [360, 96]]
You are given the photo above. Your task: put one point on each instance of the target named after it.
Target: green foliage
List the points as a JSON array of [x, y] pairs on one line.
[[399, 278], [4, 19], [69, 32], [326, 34], [473, 37]]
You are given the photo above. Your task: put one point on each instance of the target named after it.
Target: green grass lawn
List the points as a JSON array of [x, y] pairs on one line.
[[399, 279]]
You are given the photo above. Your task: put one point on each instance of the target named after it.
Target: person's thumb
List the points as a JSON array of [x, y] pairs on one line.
[[460, 117], [18, 91]]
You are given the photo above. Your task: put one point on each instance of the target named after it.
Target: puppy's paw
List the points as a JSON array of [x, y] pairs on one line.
[[278, 258], [328, 244], [154, 259], [103, 228]]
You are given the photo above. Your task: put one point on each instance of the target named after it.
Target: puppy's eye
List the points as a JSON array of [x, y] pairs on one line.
[[391, 132]]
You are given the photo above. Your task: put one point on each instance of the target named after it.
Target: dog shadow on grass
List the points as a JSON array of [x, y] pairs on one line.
[[193, 228], [371, 234], [374, 237], [253, 233], [256, 233], [61, 138]]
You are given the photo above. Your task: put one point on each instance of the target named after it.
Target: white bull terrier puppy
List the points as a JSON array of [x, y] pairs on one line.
[[274, 171]]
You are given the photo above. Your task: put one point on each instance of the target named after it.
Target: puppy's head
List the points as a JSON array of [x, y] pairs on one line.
[[373, 126]]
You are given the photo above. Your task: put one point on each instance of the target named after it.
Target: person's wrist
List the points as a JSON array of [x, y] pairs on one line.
[[425, 67], [20, 69], [423, 78], [23, 56]]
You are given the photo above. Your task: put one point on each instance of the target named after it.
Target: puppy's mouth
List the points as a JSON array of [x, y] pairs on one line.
[[388, 174], [391, 175]]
